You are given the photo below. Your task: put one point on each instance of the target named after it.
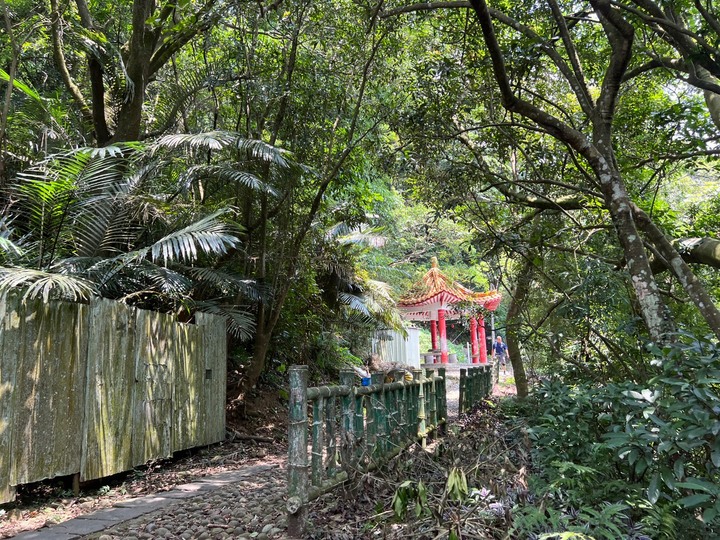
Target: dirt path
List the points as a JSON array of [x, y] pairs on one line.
[[504, 387]]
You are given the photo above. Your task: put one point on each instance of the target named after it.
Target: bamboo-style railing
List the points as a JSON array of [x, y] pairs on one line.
[[354, 428], [476, 384]]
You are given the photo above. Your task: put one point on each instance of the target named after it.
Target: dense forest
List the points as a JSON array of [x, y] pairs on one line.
[[294, 165]]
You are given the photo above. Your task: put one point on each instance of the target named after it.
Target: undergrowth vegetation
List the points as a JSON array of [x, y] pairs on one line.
[[632, 459], [616, 461]]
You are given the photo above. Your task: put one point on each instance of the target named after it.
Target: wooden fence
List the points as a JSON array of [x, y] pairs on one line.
[[94, 390], [354, 428], [476, 383]]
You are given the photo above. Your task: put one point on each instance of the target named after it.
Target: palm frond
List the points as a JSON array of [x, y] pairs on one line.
[[10, 249], [241, 323], [209, 235], [177, 96], [209, 140], [337, 230], [102, 222], [369, 238], [167, 281], [45, 285], [379, 290], [219, 140], [224, 283], [354, 303], [264, 152], [226, 173]]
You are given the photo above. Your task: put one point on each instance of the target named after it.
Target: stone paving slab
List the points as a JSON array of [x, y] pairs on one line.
[[135, 508], [113, 515], [80, 527], [46, 534]]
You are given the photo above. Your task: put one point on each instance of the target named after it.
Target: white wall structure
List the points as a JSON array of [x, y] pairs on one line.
[[392, 346]]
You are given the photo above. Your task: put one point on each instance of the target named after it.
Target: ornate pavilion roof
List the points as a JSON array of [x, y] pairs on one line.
[[436, 288]]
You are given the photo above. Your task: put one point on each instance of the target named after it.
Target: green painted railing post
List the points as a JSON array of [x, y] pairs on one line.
[[422, 425], [432, 403], [414, 404], [386, 400], [378, 422], [394, 426], [318, 442], [348, 437], [401, 417], [298, 487], [359, 427], [462, 390], [468, 390], [442, 399], [331, 440]]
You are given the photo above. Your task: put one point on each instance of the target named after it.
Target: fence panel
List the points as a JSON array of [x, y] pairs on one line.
[[189, 411], [214, 352], [48, 346], [475, 384], [110, 391], [374, 423], [7, 384], [153, 412], [99, 389]]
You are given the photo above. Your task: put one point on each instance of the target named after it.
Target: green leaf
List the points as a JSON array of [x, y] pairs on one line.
[[653, 491], [24, 88], [715, 454], [709, 515], [700, 485], [679, 469], [694, 500]]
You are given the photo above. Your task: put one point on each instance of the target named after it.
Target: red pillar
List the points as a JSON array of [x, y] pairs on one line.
[[433, 334], [474, 340], [482, 340], [443, 336]]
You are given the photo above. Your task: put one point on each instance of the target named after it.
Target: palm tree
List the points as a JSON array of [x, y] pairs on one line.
[[125, 222]]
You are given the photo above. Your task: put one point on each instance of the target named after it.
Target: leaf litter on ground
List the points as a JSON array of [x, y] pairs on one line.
[[462, 486]]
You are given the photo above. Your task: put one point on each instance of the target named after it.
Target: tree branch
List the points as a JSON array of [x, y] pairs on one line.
[[59, 57], [97, 84], [578, 79]]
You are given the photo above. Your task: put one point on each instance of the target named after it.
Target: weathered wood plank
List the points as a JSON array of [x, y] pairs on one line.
[[8, 317], [49, 348], [215, 357], [153, 412], [189, 402], [110, 390]]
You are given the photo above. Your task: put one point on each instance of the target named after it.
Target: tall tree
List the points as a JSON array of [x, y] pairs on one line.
[[126, 45]]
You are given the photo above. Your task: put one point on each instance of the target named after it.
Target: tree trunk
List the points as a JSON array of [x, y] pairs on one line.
[[699, 250], [261, 345], [653, 310], [142, 45], [690, 283], [513, 324]]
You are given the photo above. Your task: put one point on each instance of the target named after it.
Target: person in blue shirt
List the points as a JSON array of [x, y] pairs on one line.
[[500, 350]]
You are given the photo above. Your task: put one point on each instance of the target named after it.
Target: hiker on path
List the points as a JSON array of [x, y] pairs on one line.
[[500, 350]]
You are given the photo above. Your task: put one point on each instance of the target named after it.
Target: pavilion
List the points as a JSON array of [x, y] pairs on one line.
[[436, 298]]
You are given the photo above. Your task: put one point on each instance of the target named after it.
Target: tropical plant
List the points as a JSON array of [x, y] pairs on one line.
[[119, 222]]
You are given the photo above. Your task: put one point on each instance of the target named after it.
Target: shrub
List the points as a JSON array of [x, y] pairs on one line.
[[653, 447]]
